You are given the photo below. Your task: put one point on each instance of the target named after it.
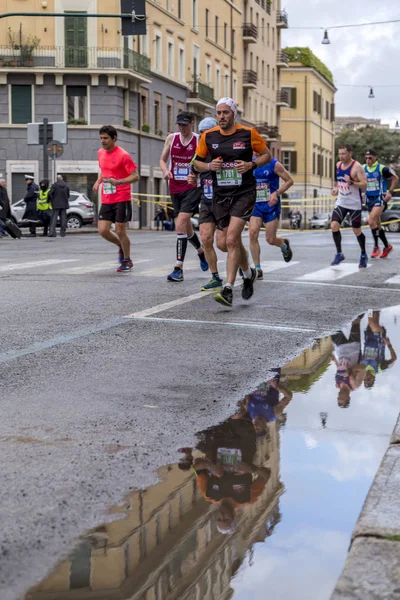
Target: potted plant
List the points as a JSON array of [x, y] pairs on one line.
[[2, 61], [27, 49], [128, 123], [146, 127], [159, 132]]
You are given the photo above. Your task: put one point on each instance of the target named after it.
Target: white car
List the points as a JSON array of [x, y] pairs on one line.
[[80, 212]]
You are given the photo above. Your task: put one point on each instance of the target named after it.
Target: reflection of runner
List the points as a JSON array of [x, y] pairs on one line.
[[347, 357], [226, 475], [375, 344]]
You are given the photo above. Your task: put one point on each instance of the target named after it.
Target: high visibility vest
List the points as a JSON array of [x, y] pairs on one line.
[[43, 200]]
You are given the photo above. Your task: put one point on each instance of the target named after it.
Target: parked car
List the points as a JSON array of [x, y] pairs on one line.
[[391, 214], [80, 212], [320, 221]]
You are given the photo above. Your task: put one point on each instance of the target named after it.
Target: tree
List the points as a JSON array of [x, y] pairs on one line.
[[385, 142]]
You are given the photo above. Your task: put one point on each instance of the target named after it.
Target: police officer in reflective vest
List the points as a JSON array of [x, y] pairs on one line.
[[44, 206]]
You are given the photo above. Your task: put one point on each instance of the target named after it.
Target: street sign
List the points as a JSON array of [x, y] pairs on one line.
[[36, 132], [55, 149], [136, 25]]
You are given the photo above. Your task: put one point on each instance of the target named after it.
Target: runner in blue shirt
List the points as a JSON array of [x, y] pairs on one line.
[[268, 210]]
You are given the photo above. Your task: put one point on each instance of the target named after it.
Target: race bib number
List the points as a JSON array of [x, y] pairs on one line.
[[229, 457], [109, 188], [262, 192], [372, 185], [208, 188], [181, 173], [344, 188], [228, 176]]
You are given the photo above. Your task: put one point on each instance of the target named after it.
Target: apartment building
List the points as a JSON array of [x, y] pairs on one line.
[[263, 61], [307, 124], [356, 123]]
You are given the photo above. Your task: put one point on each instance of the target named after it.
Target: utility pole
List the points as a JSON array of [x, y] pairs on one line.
[[232, 50]]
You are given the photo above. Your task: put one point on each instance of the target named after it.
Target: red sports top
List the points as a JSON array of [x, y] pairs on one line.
[[181, 156], [117, 164]]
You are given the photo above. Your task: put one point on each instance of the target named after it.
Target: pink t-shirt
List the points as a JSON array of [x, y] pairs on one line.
[[117, 164]]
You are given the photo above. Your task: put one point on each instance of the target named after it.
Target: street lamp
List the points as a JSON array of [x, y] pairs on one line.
[[326, 38], [371, 93]]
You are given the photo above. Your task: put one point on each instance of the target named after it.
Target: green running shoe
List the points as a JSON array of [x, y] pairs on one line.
[[225, 297], [215, 283]]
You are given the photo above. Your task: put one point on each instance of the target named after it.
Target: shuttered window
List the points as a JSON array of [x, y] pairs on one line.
[[21, 104]]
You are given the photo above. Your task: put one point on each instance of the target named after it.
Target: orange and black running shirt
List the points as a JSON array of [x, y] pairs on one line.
[[238, 145]]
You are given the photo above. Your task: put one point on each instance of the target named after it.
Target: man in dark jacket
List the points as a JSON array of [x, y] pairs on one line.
[[59, 198], [30, 199], [5, 211]]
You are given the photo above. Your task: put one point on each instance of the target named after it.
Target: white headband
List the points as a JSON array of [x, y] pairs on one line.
[[229, 102]]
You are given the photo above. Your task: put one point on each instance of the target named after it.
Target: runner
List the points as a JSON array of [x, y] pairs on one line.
[[268, 210], [347, 358], [351, 181], [231, 147], [377, 197], [179, 150], [207, 222], [375, 344], [117, 172]]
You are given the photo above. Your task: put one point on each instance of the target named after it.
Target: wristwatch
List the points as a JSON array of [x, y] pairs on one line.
[[254, 165], [389, 192], [119, 182]]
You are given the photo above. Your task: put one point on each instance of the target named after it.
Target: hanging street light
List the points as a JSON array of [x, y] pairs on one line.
[[371, 93], [326, 38], [397, 124]]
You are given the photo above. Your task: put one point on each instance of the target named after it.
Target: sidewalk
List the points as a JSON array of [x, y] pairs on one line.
[[372, 569]]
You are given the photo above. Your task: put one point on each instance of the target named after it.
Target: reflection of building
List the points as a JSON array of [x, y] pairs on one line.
[[307, 368], [167, 546]]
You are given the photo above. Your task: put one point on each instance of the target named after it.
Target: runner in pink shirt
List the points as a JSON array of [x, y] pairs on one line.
[[117, 173]]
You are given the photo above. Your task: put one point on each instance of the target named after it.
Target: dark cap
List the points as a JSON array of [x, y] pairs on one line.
[[184, 118], [372, 152]]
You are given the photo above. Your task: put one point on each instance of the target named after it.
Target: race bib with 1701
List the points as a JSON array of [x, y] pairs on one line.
[[228, 175], [109, 188]]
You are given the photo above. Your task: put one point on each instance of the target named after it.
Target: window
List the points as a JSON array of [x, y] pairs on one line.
[[233, 41], [196, 62], [263, 72], [292, 92], [289, 160], [225, 35], [263, 30], [226, 85], [273, 38], [216, 29], [21, 104], [207, 22], [179, 9], [208, 74], [144, 44], [255, 110], [194, 14], [251, 61], [257, 65], [327, 111], [170, 59], [313, 162], [76, 103], [268, 34], [157, 113], [317, 103], [181, 64], [326, 166], [181, 106], [273, 78], [170, 115], [320, 165], [235, 88], [218, 82], [332, 113], [126, 105], [268, 76], [144, 107], [157, 52]]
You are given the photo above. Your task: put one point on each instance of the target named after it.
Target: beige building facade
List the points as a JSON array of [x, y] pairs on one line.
[[308, 136]]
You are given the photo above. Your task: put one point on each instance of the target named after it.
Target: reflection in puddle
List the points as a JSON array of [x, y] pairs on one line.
[[219, 525]]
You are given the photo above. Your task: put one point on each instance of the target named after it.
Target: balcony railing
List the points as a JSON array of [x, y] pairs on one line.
[[202, 91], [270, 131], [282, 19], [282, 97], [282, 58], [249, 77], [64, 57], [250, 32]]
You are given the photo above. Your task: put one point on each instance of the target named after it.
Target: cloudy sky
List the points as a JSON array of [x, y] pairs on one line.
[[359, 56]]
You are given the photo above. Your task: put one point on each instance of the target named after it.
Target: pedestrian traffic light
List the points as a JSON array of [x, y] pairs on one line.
[[136, 24]]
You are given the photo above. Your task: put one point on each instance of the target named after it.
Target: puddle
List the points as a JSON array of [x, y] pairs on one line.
[[265, 503]]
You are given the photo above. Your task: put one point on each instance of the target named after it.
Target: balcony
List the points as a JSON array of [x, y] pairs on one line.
[[250, 33], [282, 59], [250, 79], [270, 132], [282, 20], [201, 94], [54, 58], [282, 98]]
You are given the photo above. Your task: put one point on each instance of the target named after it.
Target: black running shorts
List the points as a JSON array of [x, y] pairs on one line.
[[240, 206], [206, 214], [340, 213], [186, 202], [118, 212]]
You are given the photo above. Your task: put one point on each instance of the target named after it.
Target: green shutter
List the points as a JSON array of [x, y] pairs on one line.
[[293, 162], [75, 31], [21, 104], [293, 100]]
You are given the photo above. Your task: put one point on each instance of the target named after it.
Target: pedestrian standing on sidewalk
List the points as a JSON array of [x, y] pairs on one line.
[[44, 206], [59, 198], [30, 199]]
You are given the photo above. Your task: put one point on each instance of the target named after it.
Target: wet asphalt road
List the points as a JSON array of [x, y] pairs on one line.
[[92, 402]]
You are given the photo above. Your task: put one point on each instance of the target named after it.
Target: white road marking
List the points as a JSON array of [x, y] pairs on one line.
[[276, 265], [35, 264], [167, 305], [93, 268], [263, 326], [393, 280], [331, 273], [332, 285], [164, 270]]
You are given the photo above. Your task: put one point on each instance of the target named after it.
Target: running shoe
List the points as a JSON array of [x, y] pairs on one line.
[[120, 255], [176, 275], [339, 257], [203, 262], [215, 283], [125, 266], [376, 252], [363, 261], [386, 251], [260, 274], [225, 297], [287, 254], [240, 272], [247, 287]]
